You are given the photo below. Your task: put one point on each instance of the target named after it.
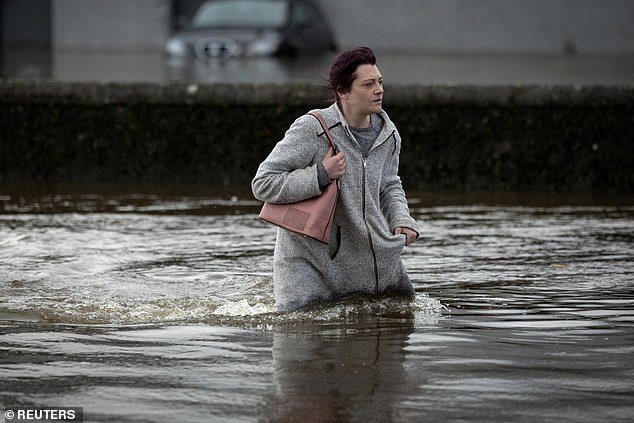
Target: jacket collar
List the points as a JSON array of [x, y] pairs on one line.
[[387, 130]]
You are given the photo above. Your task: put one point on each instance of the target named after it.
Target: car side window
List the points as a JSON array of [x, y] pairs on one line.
[[303, 15]]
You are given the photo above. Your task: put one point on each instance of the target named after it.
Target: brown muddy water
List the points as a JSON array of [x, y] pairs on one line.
[[154, 304]]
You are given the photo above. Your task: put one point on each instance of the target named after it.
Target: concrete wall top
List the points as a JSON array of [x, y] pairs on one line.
[[303, 94]]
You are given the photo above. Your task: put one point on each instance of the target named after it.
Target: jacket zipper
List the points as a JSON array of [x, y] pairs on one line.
[[376, 269], [365, 221]]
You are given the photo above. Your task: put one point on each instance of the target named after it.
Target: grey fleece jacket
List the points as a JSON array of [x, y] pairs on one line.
[[364, 256]]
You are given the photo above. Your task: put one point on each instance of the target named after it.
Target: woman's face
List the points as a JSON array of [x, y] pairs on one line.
[[366, 93]]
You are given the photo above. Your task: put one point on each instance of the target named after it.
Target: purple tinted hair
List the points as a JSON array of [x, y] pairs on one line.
[[344, 69]]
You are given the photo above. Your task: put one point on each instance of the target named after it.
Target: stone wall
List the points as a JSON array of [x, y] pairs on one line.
[[563, 139]]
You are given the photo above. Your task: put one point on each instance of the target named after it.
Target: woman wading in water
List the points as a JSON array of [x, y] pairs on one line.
[[372, 222]]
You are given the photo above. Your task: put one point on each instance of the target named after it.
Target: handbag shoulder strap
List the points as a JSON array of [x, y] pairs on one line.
[[326, 130]]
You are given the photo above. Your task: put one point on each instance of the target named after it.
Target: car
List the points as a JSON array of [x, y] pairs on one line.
[[226, 29]]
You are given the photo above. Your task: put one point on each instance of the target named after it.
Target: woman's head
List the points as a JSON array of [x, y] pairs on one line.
[[343, 70]]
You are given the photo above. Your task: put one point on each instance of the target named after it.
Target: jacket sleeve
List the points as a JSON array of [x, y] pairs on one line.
[[393, 199], [289, 173]]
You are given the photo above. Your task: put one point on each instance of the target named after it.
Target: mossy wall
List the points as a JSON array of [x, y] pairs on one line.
[[479, 138]]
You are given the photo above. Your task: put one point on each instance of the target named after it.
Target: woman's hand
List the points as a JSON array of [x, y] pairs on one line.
[[335, 166], [410, 235]]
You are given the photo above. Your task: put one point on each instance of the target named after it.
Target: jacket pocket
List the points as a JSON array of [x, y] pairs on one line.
[[393, 242], [336, 245]]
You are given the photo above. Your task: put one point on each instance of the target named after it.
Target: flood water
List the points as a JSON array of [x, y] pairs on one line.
[[154, 304], [397, 68]]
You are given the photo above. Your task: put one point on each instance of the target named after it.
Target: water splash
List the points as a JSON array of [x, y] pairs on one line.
[[255, 310]]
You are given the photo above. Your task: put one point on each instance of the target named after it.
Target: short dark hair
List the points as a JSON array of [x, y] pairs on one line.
[[344, 69]]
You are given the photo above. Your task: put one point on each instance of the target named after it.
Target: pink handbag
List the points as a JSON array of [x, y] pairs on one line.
[[311, 217]]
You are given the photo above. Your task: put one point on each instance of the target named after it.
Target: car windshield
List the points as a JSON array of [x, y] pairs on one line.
[[240, 13]]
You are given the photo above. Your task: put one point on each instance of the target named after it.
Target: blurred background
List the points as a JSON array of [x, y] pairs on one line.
[[582, 42]]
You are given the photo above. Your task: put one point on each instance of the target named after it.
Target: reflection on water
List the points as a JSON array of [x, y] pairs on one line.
[[155, 304], [334, 373], [312, 69], [397, 68]]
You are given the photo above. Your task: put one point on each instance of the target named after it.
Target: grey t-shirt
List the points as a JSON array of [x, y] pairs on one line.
[[367, 136]]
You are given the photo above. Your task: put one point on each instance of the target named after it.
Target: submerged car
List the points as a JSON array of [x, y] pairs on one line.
[[222, 29]]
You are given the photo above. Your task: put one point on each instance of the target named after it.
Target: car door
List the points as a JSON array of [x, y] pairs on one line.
[[308, 29]]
